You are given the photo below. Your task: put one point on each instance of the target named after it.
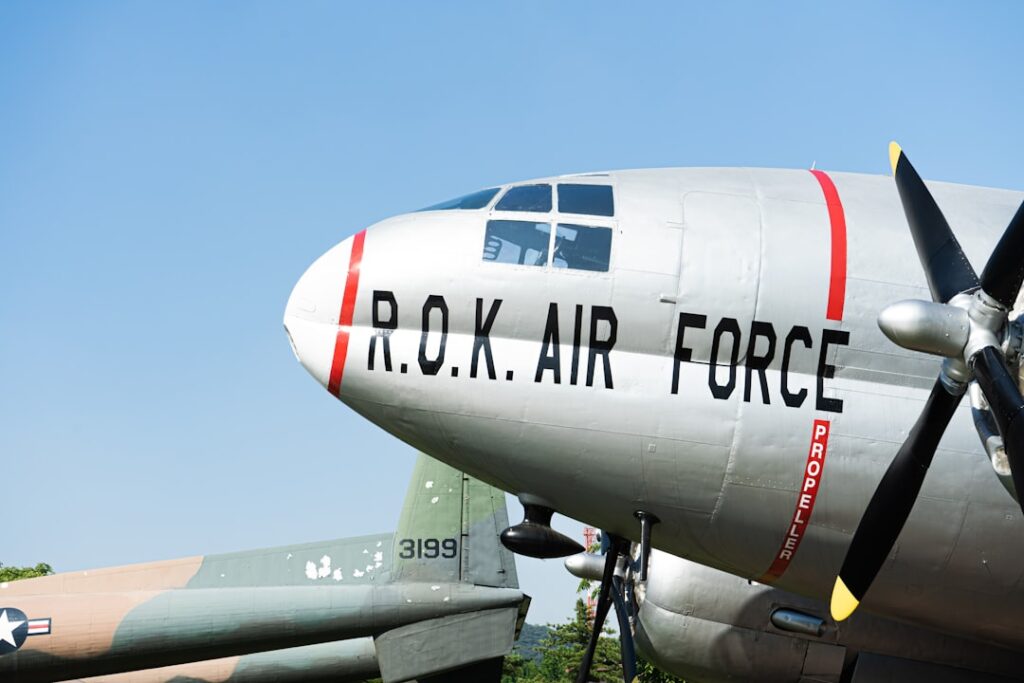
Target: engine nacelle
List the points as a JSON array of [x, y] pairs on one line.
[[692, 623], [708, 626]]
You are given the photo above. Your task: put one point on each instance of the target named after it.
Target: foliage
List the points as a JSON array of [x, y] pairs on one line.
[[528, 644], [648, 673], [15, 573], [561, 651]]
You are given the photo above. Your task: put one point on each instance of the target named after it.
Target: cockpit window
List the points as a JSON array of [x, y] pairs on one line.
[[582, 247], [476, 200], [593, 200], [522, 242], [526, 198]]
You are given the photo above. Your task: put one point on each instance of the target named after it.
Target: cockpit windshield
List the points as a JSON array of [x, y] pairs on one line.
[[476, 200], [534, 198], [593, 200]]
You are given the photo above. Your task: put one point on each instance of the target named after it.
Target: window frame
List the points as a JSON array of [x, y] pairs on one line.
[[551, 197], [554, 234], [558, 200], [547, 260], [553, 218]]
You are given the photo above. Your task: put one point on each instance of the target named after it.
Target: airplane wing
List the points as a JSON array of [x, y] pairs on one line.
[[444, 568]]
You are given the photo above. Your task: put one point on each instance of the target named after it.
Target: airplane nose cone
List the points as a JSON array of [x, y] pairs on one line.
[[315, 316]]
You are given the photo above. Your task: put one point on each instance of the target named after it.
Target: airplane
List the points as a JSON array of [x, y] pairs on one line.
[[438, 600], [748, 369]]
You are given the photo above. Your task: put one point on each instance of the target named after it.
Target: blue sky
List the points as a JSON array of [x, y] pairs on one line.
[[167, 171]]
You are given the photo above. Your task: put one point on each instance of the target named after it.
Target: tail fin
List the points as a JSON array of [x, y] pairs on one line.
[[449, 530]]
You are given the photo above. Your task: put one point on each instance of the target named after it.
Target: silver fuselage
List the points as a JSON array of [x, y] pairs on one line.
[[744, 250]]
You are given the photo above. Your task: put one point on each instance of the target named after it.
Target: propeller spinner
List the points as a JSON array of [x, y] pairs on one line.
[[965, 323]]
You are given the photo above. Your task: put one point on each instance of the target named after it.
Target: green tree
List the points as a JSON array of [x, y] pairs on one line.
[[562, 651], [519, 669], [15, 573]]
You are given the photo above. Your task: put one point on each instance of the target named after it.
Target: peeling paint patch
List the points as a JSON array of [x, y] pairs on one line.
[[430, 484], [357, 574], [446, 599], [311, 570], [434, 500], [337, 575], [435, 588], [378, 557], [380, 543], [222, 576], [325, 567], [369, 567], [289, 556]]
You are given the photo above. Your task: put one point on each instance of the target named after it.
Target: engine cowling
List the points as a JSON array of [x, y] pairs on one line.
[[708, 626]]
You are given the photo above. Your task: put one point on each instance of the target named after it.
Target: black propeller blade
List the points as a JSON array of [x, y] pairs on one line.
[[948, 270], [1007, 404], [949, 273], [611, 584], [891, 503], [1004, 271]]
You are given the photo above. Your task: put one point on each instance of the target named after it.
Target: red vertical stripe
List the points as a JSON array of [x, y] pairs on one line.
[[348, 307], [837, 219]]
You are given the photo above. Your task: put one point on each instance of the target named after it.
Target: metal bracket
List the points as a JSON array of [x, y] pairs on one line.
[[647, 521]]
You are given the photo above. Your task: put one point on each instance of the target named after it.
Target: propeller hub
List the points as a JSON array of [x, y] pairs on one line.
[[988, 320], [957, 330]]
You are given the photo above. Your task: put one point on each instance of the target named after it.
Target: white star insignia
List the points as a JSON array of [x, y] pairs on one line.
[[7, 629]]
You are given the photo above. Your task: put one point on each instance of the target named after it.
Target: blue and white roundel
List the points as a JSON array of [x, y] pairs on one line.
[[13, 629]]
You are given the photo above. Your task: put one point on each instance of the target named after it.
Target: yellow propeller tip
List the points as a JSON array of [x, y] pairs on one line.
[[894, 155], [843, 602]]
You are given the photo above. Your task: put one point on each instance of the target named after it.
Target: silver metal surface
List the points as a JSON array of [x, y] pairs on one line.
[[589, 566], [926, 326]]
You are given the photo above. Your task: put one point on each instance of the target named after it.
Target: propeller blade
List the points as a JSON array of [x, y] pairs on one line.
[[1004, 398], [948, 270], [626, 645], [1004, 271], [603, 603], [891, 503]]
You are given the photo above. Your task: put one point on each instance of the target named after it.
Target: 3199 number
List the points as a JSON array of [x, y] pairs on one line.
[[428, 548]]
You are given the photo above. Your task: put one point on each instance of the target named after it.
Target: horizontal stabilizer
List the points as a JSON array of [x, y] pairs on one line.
[[428, 648]]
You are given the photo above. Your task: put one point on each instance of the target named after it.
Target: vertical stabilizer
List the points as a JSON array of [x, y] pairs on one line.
[[449, 527]]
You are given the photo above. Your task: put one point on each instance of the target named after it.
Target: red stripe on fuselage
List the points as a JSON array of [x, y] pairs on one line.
[[837, 219], [348, 307], [814, 467]]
